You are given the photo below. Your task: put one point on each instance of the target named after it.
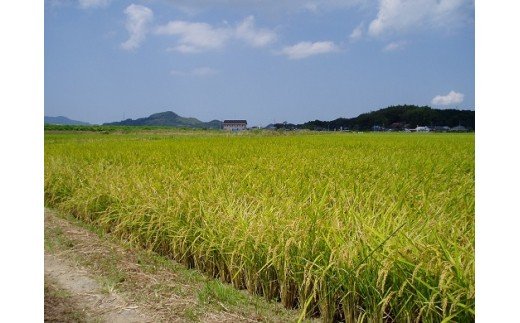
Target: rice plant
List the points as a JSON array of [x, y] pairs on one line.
[[348, 227]]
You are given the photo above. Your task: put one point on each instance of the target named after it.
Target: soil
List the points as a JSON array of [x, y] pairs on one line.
[[59, 306], [93, 277], [86, 302]]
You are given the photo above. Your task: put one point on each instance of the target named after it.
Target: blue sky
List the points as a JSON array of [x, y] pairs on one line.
[[264, 61]]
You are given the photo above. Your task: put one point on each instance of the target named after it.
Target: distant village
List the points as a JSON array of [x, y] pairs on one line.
[[239, 125], [458, 128], [401, 118]]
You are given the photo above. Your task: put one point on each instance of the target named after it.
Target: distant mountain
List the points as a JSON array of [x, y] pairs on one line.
[[63, 120], [170, 119], [398, 118]]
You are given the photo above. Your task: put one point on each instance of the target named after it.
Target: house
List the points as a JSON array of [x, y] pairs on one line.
[[421, 129], [234, 125], [459, 128], [441, 129]]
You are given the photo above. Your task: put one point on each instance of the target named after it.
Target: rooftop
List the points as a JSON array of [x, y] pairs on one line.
[[235, 121]]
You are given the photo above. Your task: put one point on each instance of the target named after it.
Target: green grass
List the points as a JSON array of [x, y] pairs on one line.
[[216, 292], [59, 240], [346, 226]]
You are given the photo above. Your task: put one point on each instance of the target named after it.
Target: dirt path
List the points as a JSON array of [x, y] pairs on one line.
[[87, 296], [92, 277]]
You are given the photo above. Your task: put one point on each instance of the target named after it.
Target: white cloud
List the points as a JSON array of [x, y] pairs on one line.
[[199, 72], [448, 99], [306, 49], [137, 20], [247, 32], [404, 15], [195, 37], [311, 6], [357, 33], [393, 46], [85, 4], [204, 71]]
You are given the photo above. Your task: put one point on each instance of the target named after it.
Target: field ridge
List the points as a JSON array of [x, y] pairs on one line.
[[102, 279]]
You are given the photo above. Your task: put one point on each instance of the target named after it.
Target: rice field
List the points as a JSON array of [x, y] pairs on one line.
[[348, 227]]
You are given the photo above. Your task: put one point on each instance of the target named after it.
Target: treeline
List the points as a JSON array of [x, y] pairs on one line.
[[398, 117], [111, 128], [66, 127]]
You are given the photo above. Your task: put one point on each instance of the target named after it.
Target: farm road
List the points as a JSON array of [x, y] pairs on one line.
[[87, 301], [94, 277], [97, 278]]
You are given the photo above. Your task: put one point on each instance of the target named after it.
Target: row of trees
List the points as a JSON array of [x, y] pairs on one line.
[[394, 117]]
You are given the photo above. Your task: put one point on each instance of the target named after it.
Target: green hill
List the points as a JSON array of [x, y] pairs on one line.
[[170, 119], [63, 121]]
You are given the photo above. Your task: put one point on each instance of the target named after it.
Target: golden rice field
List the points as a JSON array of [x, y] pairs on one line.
[[348, 227]]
